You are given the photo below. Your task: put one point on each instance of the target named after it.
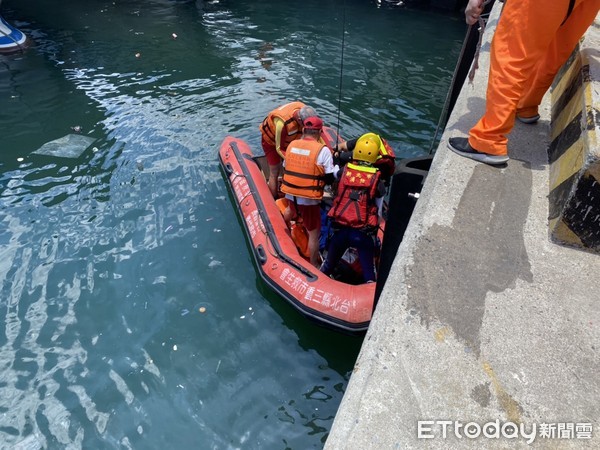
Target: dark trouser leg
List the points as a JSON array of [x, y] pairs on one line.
[[366, 252], [337, 247]]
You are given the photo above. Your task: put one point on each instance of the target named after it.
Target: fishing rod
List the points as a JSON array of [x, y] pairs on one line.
[[339, 108]]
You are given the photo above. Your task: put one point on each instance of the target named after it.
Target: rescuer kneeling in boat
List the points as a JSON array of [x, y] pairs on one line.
[[385, 161], [278, 129], [307, 168], [355, 209]]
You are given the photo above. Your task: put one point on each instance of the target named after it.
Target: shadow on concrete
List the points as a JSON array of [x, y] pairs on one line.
[[483, 251]]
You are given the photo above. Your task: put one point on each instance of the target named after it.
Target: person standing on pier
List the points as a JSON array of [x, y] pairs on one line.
[[532, 41]]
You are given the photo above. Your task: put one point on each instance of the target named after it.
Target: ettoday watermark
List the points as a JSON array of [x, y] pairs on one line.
[[432, 429]]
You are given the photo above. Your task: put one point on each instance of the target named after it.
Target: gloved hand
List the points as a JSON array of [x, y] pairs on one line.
[[336, 157], [345, 157]]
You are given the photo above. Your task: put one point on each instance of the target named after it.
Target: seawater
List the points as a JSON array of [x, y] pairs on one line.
[[131, 313]]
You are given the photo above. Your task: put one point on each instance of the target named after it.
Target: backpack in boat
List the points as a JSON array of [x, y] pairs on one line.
[[354, 205]]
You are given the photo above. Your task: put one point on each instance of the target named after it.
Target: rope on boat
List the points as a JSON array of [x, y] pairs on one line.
[[268, 243]]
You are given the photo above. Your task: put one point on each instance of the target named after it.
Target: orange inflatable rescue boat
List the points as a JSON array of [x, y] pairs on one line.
[[340, 305]]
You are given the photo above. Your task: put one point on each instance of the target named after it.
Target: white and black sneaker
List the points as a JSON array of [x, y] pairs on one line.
[[461, 147]]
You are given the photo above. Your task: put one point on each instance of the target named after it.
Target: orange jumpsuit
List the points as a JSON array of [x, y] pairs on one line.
[[528, 48]]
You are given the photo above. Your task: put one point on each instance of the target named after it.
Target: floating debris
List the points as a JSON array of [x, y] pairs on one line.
[[69, 146], [185, 312], [76, 128], [161, 279]]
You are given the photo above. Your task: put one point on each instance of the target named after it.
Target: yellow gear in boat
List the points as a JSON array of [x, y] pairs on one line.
[[367, 148]]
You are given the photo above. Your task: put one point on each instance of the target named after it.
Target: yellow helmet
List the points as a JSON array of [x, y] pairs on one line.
[[367, 148]]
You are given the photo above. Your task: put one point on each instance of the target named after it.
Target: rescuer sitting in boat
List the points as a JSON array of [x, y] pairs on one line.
[[356, 206], [307, 168], [385, 161], [278, 129]]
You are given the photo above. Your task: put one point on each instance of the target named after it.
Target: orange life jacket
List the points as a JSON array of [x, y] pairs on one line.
[[302, 176], [291, 129], [354, 205]]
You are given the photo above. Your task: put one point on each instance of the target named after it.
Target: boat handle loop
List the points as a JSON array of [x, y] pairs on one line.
[[262, 255]]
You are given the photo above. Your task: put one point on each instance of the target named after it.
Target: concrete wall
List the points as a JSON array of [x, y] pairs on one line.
[[574, 152]]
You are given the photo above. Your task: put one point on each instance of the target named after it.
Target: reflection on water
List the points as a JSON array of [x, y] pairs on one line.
[[132, 314]]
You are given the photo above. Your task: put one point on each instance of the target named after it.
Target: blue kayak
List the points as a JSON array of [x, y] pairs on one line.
[[11, 39]]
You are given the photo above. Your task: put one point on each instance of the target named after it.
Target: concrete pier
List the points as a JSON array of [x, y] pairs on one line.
[[483, 320]]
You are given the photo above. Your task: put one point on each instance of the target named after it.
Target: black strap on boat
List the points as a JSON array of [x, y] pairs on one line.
[[303, 175], [304, 188], [265, 219], [320, 179], [569, 11]]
